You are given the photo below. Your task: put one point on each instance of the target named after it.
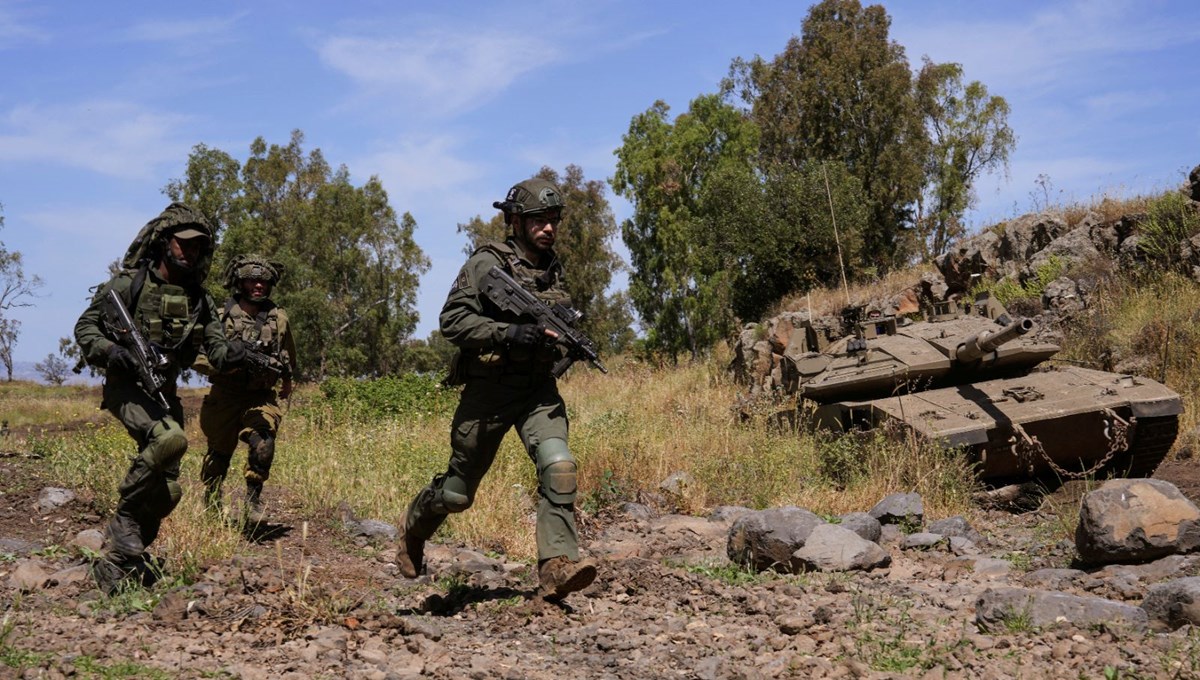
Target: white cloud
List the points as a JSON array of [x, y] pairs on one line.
[[206, 30], [1119, 103], [412, 167], [114, 138], [1047, 47], [441, 71], [16, 32]]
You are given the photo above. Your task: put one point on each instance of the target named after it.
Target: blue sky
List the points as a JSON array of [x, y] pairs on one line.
[[100, 103]]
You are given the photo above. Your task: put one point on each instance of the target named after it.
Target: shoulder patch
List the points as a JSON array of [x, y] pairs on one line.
[[461, 281]]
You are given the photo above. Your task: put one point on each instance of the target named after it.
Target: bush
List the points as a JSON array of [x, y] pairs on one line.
[[1007, 290], [409, 395], [1170, 219]]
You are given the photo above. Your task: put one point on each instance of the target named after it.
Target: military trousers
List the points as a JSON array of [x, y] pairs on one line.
[[150, 489], [229, 416], [487, 410]]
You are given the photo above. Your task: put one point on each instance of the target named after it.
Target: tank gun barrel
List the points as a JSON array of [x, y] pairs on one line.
[[978, 345]]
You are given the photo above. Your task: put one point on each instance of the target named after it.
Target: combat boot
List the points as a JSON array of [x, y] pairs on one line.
[[109, 577], [410, 554], [214, 505], [253, 512], [559, 576]]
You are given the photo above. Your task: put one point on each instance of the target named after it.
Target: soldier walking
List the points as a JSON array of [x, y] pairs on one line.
[[243, 404], [505, 363], [161, 287]]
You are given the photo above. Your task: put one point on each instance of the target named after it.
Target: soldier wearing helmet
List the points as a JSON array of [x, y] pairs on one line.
[[161, 285], [243, 405], [505, 364]]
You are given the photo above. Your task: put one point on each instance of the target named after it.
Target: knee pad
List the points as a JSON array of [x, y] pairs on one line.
[[258, 461], [166, 446], [214, 466], [451, 494], [556, 472], [174, 495]]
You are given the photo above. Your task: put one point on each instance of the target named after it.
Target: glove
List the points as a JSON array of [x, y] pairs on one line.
[[525, 334], [236, 354], [120, 358]]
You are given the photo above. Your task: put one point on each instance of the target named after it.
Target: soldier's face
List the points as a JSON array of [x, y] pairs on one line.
[[539, 230], [187, 251], [255, 289]]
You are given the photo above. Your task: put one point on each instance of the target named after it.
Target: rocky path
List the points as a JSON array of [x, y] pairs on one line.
[[317, 602]]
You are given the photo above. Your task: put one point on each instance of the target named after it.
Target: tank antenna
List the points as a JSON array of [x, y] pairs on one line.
[[836, 238]]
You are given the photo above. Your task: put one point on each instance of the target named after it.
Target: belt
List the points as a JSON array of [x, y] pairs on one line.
[[510, 379]]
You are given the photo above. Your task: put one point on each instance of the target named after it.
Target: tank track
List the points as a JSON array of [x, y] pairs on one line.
[[1152, 441]]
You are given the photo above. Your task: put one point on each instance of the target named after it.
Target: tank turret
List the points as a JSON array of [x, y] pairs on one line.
[[971, 377], [981, 344]]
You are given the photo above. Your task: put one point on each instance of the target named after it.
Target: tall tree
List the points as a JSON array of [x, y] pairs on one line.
[[969, 135], [16, 291], [680, 283], [796, 229], [351, 266], [842, 92], [583, 242]]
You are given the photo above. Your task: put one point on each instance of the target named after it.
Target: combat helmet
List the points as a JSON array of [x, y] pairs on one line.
[[177, 219], [530, 197], [252, 266]]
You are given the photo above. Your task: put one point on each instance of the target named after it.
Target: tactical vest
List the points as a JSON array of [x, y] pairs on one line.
[[261, 332], [548, 286], [168, 316]]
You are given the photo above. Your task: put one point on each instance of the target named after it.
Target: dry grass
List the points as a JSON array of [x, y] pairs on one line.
[[830, 301], [26, 405], [630, 430]]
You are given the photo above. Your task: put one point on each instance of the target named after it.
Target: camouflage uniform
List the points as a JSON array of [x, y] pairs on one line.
[[506, 386], [180, 320], [243, 404]]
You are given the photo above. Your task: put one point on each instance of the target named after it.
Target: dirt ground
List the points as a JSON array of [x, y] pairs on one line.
[[306, 599]]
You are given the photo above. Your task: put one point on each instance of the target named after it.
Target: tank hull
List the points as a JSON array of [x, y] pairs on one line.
[[1053, 424]]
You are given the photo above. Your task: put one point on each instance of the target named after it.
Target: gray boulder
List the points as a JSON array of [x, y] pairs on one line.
[[768, 538], [955, 526], [866, 526], [1015, 609], [52, 498], [1135, 520], [1174, 603], [905, 509], [831, 547]]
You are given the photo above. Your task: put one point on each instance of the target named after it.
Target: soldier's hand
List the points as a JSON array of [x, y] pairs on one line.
[[120, 358], [236, 354], [525, 334]]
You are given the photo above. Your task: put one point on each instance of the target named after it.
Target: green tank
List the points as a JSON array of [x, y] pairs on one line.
[[976, 379]]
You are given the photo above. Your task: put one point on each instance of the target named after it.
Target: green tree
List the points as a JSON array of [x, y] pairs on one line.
[[583, 243], [54, 367], [431, 355], [842, 92], [785, 229], [682, 261], [16, 291], [351, 266], [969, 135]]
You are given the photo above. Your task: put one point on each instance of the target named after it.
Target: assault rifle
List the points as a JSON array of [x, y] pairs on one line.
[[262, 364], [151, 363], [511, 297]]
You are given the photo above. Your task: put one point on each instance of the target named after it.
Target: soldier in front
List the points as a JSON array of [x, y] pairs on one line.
[[505, 363], [243, 404], [160, 286]]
